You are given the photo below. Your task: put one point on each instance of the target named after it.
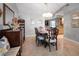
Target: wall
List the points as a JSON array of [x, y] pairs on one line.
[[69, 32], [32, 13], [1, 18], [30, 24], [12, 6]]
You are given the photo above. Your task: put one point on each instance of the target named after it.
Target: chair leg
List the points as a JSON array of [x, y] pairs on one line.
[[36, 41], [45, 44], [49, 47], [56, 46], [39, 42]]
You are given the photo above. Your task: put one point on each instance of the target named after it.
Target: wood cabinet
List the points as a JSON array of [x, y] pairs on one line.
[[15, 38]]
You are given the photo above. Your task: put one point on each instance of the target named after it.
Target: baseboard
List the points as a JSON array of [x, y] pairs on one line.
[[30, 36], [71, 40]]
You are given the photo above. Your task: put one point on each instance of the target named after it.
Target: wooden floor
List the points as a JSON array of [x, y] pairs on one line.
[[70, 48], [65, 48]]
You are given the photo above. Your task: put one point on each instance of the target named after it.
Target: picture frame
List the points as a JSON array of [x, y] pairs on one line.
[[75, 20], [8, 14]]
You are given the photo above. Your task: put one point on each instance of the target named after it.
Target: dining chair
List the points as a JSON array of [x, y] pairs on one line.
[[36, 32], [40, 38], [52, 38]]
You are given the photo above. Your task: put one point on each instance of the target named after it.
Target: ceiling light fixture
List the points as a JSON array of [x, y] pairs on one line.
[[47, 15]]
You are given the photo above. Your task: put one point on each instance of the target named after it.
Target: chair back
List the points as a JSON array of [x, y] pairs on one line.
[[39, 34], [36, 30], [54, 33]]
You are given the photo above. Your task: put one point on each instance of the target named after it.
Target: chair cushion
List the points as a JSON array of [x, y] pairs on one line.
[[52, 40], [4, 43], [40, 38]]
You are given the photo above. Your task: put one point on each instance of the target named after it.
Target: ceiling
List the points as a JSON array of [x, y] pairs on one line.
[[35, 10]]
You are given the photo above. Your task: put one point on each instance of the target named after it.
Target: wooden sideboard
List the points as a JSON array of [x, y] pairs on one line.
[[14, 37]]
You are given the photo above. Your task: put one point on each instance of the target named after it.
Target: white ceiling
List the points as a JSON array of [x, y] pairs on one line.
[[35, 10]]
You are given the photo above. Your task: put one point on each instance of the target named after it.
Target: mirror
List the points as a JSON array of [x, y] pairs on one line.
[[8, 14]]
